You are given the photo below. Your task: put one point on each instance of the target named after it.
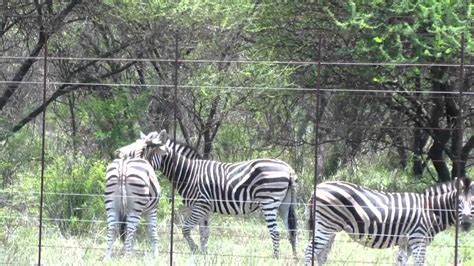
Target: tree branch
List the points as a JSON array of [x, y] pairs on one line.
[[26, 65]]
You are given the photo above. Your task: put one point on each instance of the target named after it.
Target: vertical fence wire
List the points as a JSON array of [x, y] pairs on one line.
[[175, 127], [43, 140], [458, 162], [316, 147], [459, 131]]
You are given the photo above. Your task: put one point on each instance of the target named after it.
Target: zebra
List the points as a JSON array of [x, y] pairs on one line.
[[380, 220], [226, 188], [131, 188]]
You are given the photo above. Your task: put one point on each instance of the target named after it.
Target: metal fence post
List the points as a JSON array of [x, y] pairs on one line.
[[175, 127], [316, 138], [458, 162]]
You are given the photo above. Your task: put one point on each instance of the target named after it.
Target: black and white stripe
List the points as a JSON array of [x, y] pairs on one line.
[[380, 220], [227, 188], [131, 189]]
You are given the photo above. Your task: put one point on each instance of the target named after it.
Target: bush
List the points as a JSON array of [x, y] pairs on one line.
[[74, 189], [375, 172]]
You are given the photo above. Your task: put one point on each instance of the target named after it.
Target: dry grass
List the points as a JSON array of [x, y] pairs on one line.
[[234, 241]]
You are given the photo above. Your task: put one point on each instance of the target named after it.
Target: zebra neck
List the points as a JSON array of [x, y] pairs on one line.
[[177, 168], [443, 207]]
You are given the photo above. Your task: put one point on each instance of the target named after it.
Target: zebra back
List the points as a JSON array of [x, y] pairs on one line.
[[137, 149], [184, 149], [465, 186], [132, 174]]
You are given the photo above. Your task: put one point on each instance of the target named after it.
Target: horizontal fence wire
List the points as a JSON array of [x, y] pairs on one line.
[[371, 93], [388, 207], [176, 252], [368, 95], [323, 89], [223, 227], [299, 143], [251, 232], [267, 62]]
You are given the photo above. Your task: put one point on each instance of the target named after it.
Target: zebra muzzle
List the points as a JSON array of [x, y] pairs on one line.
[[465, 226]]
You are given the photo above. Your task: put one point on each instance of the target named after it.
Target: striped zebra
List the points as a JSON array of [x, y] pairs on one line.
[[131, 188], [380, 220], [227, 188]]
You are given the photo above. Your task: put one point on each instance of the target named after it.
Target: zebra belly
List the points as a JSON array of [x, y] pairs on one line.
[[225, 206], [372, 241], [374, 235], [228, 198]]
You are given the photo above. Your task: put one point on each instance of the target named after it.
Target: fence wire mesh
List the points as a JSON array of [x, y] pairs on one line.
[[233, 240]]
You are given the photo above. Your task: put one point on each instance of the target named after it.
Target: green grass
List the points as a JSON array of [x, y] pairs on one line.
[[233, 241]]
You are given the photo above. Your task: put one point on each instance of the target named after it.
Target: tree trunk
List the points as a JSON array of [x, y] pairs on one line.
[[436, 155], [419, 141], [210, 128], [73, 123], [440, 134], [464, 157]]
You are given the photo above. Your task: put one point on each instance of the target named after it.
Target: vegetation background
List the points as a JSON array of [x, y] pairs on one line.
[[246, 76]]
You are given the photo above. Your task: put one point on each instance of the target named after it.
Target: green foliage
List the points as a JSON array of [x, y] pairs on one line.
[[374, 171], [164, 206], [74, 188], [19, 154], [114, 118], [185, 13], [407, 31], [73, 191], [233, 142]]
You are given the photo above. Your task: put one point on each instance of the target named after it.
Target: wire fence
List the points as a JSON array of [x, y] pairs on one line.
[[419, 200], [246, 232]]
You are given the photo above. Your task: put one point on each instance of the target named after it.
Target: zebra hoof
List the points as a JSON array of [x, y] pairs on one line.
[[194, 249]]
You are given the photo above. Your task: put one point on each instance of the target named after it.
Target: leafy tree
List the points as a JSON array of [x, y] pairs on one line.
[[423, 32]]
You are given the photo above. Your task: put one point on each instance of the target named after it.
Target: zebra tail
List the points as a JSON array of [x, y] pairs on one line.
[[123, 227], [292, 219], [123, 216], [310, 218], [123, 208]]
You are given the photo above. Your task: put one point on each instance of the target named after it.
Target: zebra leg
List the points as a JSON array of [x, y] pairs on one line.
[[270, 213], [111, 234], [402, 257], [288, 215], [199, 211], [403, 252], [132, 223], [418, 248], [323, 255], [152, 231], [204, 234], [321, 246]]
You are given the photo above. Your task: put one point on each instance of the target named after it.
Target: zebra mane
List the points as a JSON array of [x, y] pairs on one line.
[[447, 187], [467, 185], [184, 149], [132, 150]]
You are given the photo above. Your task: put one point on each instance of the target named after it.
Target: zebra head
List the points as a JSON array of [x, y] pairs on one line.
[[156, 145], [133, 150], [466, 205]]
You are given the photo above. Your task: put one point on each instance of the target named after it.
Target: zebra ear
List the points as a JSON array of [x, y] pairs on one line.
[[163, 137], [142, 136], [118, 153]]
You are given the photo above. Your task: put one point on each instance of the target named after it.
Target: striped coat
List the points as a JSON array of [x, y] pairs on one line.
[[238, 188], [131, 189], [380, 220]]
